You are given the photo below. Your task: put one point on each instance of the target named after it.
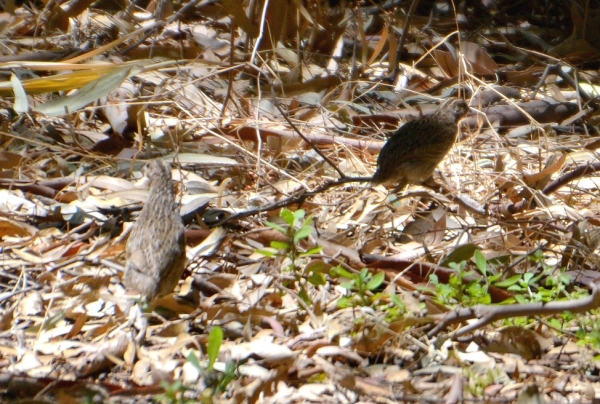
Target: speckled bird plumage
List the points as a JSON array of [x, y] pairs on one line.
[[414, 151], [155, 250]]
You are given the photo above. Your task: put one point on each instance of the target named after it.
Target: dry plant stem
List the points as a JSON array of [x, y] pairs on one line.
[[231, 60], [371, 146], [33, 188], [471, 206], [107, 263], [160, 24], [534, 112], [296, 199], [450, 196], [248, 153], [301, 197], [489, 313], [312, 146], [301, 303], [556, 69], [558, 183], [564, 179], [524, 257], [8, 295], [413, 6]]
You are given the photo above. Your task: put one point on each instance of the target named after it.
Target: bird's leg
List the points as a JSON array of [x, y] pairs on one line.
[[400, 187], [432, 184]]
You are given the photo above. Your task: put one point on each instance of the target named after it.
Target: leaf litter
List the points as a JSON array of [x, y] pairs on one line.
[[301, 320]]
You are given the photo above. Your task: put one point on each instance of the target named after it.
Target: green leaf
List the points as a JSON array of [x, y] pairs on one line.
[[520, 299], [565, 279], [528, 278], [469, 273], [304, 296], [228, 376], [215, 339], [534, 279], [266, 253], [315, 266], [334, 271], [376, 281], [480, 262], [364, 274], [288, 216], [339, 271], [317, 278], [455, 266], [299, 215], [193, 359], [508, 282], [312, 251], [347, 285], [87, 94], [345, 302], [308, 221], [280, 245], [556, 323], [396, 300], [276, 227], [461, 253], [302, 234]]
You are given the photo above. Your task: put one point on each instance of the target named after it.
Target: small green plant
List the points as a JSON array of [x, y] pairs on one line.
[[461, 289], [478, 381], [394, 310], [465, 288], [295, 258], [215, 381], [174, 393], [361, 284], [528, 287], [589, 329], [549, 284]]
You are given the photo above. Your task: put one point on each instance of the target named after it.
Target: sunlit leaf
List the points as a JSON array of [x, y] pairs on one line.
[[288, 217], [376, 281], [215, 339], [302, 234], [276, 227], [21, 104], [480, 261], [280, 245], [89, 93]]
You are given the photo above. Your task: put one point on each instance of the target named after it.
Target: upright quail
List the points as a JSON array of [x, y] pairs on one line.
[[414, 151], [155, 250]]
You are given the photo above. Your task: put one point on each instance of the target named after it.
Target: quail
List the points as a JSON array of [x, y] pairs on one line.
[[417, 147], [155, 251]]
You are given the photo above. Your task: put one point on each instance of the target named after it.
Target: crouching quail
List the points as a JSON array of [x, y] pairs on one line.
[[155, 250]]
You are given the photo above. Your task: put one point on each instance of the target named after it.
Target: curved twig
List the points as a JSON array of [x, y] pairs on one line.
[[486, 314]]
